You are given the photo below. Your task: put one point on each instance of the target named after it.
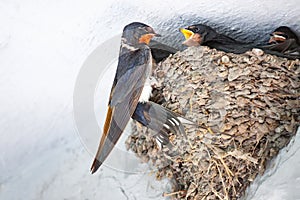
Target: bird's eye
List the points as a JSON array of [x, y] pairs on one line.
[[196, 29]]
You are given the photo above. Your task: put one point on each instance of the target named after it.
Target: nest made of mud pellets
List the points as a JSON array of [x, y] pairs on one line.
[[249, 104]]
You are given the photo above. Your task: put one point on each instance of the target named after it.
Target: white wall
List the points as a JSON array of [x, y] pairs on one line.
[[43, 45]]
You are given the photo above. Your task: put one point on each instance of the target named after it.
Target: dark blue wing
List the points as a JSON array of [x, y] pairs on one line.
[[132, 71]]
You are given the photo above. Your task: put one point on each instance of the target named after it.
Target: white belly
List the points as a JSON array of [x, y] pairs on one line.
[[146, 92]]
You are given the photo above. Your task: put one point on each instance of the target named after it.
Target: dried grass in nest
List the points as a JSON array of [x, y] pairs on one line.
[[249, 105]]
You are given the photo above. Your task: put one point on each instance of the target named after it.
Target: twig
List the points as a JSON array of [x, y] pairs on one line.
[[221, 177], [172, 193], [215, 192]]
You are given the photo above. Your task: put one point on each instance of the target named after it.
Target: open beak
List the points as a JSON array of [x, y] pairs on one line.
[[191, 38], [186, 33]]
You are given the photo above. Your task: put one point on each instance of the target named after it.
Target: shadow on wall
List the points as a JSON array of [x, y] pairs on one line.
[[242, 29]]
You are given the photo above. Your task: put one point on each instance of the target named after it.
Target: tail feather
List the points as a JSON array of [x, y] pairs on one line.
[[116, 120], [95, 166], [99, 158]]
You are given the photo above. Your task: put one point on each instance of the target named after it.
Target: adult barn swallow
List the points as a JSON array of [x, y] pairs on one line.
[[283, 42], [131, 90], [200, 34]]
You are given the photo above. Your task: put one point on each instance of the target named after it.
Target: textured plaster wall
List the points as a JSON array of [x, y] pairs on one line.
[[43, 45]]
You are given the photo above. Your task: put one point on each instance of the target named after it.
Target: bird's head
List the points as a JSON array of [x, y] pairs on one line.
[[281, 34], [136, 32], [196, 35]]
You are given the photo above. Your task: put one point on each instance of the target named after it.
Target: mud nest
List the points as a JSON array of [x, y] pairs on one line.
[[246, 108]]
